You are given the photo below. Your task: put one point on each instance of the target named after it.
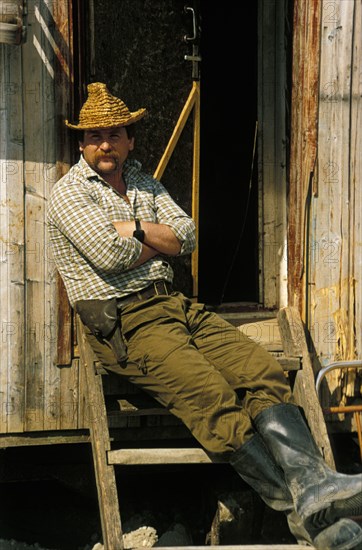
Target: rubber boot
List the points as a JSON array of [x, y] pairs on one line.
[[255, 465], [320, 494]]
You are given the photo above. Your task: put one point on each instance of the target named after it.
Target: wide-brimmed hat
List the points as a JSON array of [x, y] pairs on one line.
[[104, 110]]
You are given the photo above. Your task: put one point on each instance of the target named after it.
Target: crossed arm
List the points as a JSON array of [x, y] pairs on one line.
[[159, 239]]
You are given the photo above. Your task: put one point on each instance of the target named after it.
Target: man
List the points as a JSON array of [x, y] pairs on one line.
[[112, 228]]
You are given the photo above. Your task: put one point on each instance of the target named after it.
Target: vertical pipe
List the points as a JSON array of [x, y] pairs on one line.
[[196, 189]]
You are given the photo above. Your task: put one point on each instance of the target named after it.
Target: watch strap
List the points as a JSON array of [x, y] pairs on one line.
[[138, 233]]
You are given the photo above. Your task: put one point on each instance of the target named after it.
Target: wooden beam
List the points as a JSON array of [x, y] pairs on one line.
[[59, 437], [158, 456], [306, 77], [105, 476], [240, 547], [294, 343]]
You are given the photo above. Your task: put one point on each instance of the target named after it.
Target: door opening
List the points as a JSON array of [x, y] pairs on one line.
[[228, 219]]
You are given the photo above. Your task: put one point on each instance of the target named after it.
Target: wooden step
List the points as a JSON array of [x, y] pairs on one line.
[[288, 363], [239, 547], [158, 456]]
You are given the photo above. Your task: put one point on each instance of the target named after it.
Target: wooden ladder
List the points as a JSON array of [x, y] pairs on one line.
[[295, 359]]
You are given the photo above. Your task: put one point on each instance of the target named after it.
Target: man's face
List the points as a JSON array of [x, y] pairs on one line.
[[105, 150]]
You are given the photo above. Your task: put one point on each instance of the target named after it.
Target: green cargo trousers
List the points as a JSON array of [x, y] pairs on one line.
[[200, 367]]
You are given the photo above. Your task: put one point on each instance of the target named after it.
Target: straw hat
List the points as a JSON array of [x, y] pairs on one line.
[[103, 110]]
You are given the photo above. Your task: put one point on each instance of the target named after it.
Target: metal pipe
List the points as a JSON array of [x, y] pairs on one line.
[[356, 364]]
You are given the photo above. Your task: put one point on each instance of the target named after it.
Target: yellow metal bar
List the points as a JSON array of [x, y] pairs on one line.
[[192, 102], [343, 409], [196, 190], [176, 133]]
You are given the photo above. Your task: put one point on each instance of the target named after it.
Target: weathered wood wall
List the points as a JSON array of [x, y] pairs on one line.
[[324, 216], [326, 172], [41, 386], [336, 208], [35, 98]]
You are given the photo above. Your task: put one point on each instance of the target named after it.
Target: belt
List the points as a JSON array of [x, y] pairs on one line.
[[158, 288]]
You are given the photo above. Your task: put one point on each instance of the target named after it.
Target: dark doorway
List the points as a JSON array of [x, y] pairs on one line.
[[228, 245]]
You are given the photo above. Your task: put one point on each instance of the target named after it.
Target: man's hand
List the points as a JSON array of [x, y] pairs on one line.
[[158, 236]]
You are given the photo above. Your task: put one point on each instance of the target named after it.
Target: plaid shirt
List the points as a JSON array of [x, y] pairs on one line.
[[92, 259]]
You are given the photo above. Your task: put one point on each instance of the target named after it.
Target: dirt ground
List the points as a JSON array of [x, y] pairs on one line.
[[48, 501]]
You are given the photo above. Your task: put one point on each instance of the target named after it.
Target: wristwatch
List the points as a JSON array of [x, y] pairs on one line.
[[138, 233]]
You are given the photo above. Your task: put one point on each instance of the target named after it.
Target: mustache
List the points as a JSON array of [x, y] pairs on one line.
[[112, 155]]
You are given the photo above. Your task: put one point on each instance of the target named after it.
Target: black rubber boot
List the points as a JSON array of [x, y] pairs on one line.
[[255, 465], [320, 494]]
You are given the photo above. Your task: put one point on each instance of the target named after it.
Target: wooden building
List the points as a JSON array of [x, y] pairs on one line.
[[278, 202]]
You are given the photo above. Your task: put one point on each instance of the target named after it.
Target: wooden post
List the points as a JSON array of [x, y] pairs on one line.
[[196, 189], [98, 426], [295, 344]]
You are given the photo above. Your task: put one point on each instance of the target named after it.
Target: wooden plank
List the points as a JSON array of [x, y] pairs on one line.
[[72, 383], [38, 132], [12, 282], [290, 363], [304, 384], [335, 266], [336, 289], [291, 331], [303, 146], [35, 321], [43, 438], [105, 477], [158, 456], [239, 547], [330, 267], [46, 64], [49, 175], [28, 275], [356, 173], [272, 153], [64, 106]]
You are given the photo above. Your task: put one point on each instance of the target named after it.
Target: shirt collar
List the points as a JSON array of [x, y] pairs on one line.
[[88, 172]]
